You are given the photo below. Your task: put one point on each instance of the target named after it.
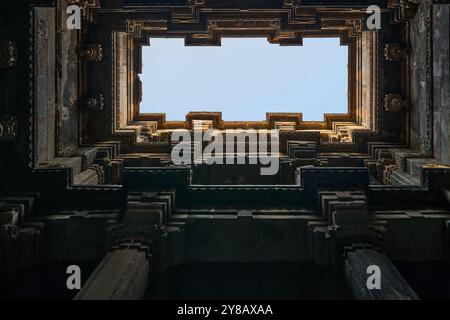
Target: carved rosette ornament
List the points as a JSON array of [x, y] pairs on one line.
[[394, 52], [8, 54], [95, 103], [8, 128], [93, 52], [395, 103]]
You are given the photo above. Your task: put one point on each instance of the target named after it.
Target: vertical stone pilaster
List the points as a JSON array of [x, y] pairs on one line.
[[441, 82]]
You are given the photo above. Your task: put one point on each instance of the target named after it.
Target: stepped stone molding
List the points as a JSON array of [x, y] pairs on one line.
[[345, 221]]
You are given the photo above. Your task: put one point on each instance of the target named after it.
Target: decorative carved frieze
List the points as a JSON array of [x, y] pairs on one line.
[[394, 52], [93, 52], [395, 103], [8, 128], [95, 103], [8, 54]]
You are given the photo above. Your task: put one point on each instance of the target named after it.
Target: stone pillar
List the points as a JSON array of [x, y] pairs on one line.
[[123, 274], [357, 272]]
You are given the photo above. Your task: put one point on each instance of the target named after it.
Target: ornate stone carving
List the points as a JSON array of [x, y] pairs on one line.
[[85, 5], [394, 52], [95, 103], [93, 52], [406, 9], [8, 128], [395, 103], [8, 54]]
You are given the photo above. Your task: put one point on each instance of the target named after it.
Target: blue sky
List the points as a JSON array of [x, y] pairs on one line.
[[245, 78]]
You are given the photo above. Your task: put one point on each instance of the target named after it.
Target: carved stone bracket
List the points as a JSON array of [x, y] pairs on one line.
[[8, 54], [8, 128], [383, 166], [395, 103], [394, 52], [345, 222], [148, 216]]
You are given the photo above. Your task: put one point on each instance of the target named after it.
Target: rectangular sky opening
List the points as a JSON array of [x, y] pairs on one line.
[[245, 78]]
